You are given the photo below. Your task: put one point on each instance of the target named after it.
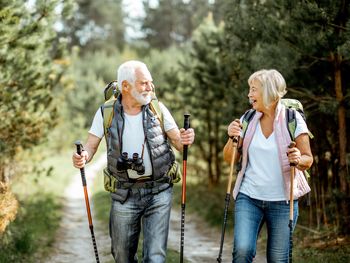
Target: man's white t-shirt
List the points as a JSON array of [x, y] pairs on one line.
[[134, 136], [263, 178]]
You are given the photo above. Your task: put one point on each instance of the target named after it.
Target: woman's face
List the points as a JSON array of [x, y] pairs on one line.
[[255, 95]]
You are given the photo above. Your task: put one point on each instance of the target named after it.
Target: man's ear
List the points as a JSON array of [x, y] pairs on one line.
[[125, 85]]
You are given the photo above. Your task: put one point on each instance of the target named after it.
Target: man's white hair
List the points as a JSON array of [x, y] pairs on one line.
[[126, 71]]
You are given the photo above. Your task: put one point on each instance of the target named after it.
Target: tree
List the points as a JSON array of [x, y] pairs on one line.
[[31, 69], [95, 24], [206, 86], [308, 41], [172, 22]]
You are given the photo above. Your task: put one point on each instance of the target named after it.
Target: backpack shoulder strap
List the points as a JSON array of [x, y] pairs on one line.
[[247, 117], [107, 110], [155, 108], [291, 122]]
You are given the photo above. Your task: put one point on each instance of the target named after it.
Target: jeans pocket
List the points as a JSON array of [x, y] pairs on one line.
[[121, 195]]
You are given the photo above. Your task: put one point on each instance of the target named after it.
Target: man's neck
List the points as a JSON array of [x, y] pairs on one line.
[[131, 106]]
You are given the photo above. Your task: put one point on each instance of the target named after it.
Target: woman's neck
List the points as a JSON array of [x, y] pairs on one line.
[[269, 112]]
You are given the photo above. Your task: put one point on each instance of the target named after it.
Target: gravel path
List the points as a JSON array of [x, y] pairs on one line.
[[74, 244]]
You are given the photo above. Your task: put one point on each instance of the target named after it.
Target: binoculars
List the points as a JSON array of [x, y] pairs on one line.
[[135, 163]]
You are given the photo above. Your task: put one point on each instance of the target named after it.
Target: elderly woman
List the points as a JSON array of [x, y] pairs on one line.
[[262, 187]]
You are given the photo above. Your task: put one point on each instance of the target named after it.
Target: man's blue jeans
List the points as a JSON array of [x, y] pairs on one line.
[[249, 215], [150, 210]]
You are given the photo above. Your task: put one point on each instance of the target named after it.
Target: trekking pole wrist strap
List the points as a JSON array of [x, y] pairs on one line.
[[234, 139]]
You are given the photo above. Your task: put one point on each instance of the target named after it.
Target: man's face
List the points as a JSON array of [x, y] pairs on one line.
[[142, 90]]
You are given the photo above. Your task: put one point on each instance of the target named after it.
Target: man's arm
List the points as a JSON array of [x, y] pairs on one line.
[[179, 138], [88, 152]]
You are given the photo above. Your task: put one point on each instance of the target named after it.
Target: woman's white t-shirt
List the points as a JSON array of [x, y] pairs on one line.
[[263, 178]]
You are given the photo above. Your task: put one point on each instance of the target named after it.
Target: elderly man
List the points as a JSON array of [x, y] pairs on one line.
[[139, 158]]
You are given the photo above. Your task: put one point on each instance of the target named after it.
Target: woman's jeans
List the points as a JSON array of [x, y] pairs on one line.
[[249, 215], [150, 210]]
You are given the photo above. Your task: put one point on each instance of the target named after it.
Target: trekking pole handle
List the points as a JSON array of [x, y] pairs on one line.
[[186, 126], [82, 170], [79, 146], [292, 145]]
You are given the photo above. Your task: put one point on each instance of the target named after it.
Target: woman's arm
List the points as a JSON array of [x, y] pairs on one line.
[[301, 154]]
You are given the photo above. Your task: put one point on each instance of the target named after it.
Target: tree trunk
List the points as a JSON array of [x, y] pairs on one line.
[[217, 149], [210, 150], [345, 221], [341, 125]]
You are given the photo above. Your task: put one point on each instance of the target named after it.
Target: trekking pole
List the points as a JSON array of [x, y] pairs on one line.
[[228, 194], [183, 195], [291, 206], [83, 179]]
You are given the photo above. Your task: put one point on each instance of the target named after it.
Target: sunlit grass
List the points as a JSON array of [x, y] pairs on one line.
[[39, 189]]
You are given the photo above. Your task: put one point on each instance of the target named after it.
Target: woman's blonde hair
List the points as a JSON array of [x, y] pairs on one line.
[[272, 83]]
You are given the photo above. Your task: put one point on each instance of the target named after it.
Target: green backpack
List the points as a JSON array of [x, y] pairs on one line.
[[111, 92], [292, 105]]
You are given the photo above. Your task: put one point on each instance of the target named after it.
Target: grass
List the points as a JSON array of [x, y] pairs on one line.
[[309, 247], [39, 192], [33, 229]]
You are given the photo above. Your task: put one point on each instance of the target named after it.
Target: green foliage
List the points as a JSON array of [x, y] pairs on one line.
[[336, 254], [307, 41], [90, 73], [205, 87], [39, 191], [210, 208], [33, 229], [96, 25], [172, 22], [28, 76]]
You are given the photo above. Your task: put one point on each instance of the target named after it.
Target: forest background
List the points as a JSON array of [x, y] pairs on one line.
[[57, 56]]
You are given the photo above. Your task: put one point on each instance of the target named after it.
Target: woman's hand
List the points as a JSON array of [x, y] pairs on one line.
[[294, 155], [234, 129]]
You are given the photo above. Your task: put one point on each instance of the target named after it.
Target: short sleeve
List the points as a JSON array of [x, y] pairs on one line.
[[169, 122], [97, 124], [301, 125]]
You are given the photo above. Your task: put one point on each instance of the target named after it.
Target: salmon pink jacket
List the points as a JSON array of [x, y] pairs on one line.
[[283, 139]]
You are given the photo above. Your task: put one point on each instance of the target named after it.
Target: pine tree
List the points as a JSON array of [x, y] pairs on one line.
[[206, 94], [31, 67], [172, 22], [96, 25], [308, 42]]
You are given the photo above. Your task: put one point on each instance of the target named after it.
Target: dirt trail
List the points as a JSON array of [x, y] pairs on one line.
[[201, 242], [73, 241]]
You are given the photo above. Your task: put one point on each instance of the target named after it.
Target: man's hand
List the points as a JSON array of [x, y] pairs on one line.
[[187, 136], [79, 161]]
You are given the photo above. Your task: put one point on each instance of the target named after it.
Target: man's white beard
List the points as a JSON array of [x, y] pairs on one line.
[[143, 100]]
